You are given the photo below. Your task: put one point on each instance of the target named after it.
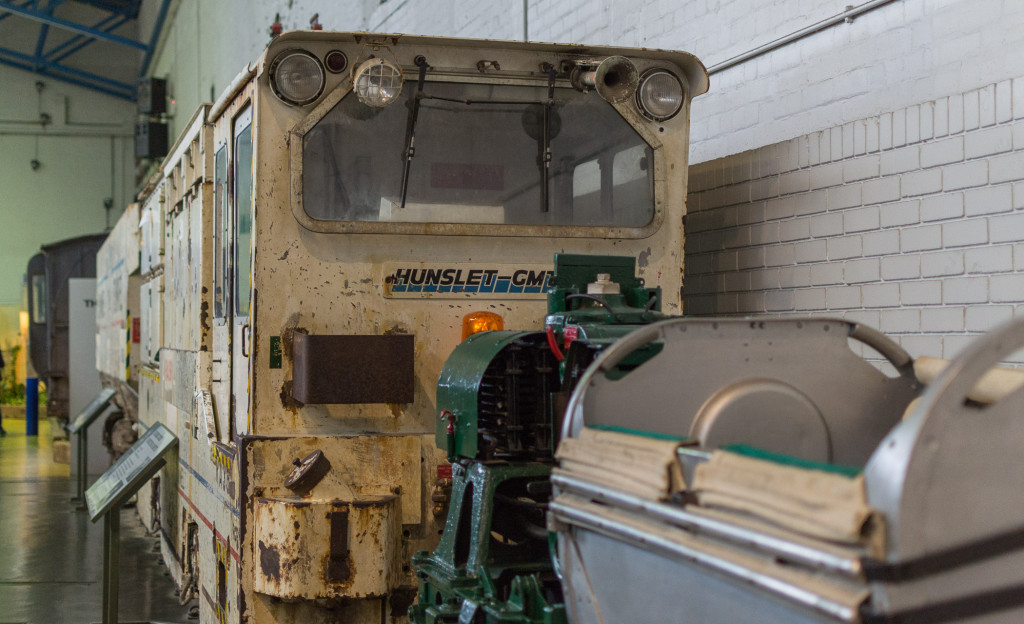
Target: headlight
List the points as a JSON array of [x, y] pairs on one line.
[[377, 82], [660, 95], [297, 77]]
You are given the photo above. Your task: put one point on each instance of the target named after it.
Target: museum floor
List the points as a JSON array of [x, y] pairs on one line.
[[51, 555]]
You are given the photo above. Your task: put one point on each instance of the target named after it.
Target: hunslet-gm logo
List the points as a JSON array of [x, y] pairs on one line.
[[404, 280]]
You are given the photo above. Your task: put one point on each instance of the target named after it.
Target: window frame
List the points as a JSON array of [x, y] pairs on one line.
[[632, 117]]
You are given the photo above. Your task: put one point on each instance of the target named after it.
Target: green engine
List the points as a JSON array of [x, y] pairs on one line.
[[502, 396]]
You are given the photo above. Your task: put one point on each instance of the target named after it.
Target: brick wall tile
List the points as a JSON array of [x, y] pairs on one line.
[[942, 264], [901, 267], [778, 300], [921, 238], [1018, 136], [921, 182], [794, 182], [795, 229], [1018, 195], [942, 319], [881, 190], [779, 255], [884, 242], [750, 258], [766, 233], [1004, 102], [843, 297], [898, 160], [871, 135], [984, 318], [913, 124], [698, 263], [927, 120], [902, 213], [941, 117], [989, 200], [846, 196], [824, 176], [956, 114], [880, 295], [734, 282], [996, 140], [725, 261], [1018, 98], [752, 302], [1006, 168], [827, 274], [899, 128], [764, 279], [987, 105], [1006, 288], [953, 345], [899, 321], [963, 233], [836, 143], [795, 276], [965, 290], [965, 175], [885, 130], [942, 152], [809, 203], [727, 303], [848, 143], [696, 305], [736, 237], [827, 224], [972, 117], [860, 219], [861, 271], [750, 213], [1006, 229], [921, 293], [861, 168], [843, 247], [779, 208], [917, 346], [860, 137], [810, 251], [764, 188], [809, 299], [944, 206]]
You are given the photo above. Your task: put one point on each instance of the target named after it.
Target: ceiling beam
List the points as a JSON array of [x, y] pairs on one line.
[[65, 24]]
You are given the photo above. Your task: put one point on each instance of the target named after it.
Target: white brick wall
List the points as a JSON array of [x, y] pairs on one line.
[[915, 228]]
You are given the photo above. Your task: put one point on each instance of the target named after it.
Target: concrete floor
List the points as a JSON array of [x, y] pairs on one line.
[[51, 555]]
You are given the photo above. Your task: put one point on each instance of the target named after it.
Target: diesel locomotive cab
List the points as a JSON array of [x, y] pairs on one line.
[[309, 252]]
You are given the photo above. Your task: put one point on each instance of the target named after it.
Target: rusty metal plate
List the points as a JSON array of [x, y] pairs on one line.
[[327, 549], [333, 369]]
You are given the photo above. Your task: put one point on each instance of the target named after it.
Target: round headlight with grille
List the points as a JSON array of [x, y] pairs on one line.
[[377, 82], [297, 77], [660, 94]]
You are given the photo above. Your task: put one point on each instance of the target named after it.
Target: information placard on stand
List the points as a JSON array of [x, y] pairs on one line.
[[80, 426], [113, 489]]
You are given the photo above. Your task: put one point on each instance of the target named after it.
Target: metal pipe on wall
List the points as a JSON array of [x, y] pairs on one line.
[[846, 16]]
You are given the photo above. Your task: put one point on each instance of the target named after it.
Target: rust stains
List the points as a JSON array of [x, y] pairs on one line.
[[270, 562], [401, 599]]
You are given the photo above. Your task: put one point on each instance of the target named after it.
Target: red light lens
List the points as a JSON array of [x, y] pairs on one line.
[[336, 61]]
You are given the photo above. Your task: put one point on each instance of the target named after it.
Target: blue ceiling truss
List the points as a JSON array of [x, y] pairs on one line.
[[51, 62]]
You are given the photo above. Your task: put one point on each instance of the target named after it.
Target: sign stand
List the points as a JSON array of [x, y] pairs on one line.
[[106, 497], [81, 426]]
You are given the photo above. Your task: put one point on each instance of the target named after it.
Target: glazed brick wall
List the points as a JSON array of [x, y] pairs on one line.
[[911, 222]]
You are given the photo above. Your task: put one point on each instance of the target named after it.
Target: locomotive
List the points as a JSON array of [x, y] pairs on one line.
[[305, 260]]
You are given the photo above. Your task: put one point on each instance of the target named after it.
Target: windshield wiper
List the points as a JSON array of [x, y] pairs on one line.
[[410, 128], [545, 147]]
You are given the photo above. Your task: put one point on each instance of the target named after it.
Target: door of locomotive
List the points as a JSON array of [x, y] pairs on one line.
[[232, 237], [241, 330]]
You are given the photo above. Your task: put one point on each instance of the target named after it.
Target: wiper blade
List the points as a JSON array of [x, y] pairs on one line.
[[545, 148], [410, 128]]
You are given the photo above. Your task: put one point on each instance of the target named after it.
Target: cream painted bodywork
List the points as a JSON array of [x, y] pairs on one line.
[[330, 279]]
